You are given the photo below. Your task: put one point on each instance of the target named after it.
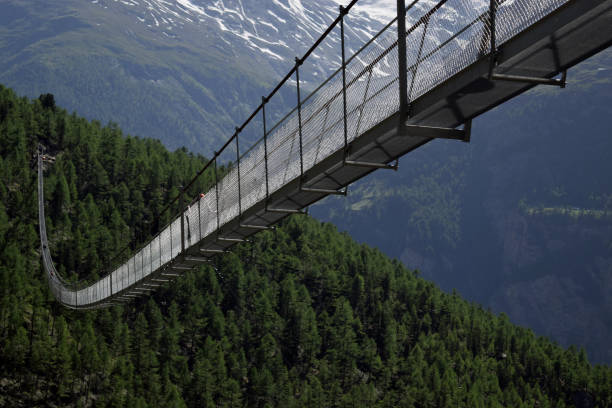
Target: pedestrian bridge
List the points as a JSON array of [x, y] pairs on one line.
[[424, 76]]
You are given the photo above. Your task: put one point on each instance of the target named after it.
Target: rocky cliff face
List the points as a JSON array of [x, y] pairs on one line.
[[557, 277]]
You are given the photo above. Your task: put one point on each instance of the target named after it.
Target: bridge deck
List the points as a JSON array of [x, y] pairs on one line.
[[561, 37]]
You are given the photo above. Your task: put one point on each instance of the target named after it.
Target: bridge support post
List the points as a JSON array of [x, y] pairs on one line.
[[238, 168], [199, 218], [492, 13], [212, 251], [150, 261], [182, 207], [217, 191], [562, 82], [415, 66], [265, 136], [435, 132], [343, 12], [402, 65], [346, 161], [264, 100], [298, 62], [142, 263]]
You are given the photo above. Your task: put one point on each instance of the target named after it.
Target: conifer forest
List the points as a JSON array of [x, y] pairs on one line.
[[301, 316]]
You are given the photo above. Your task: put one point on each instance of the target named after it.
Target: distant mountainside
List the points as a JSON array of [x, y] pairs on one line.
[[273, 31], [185, 72], [104, 65], [519, 220], [301, 316]]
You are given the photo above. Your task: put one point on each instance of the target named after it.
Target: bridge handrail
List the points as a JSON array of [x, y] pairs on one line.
[[484, 17]]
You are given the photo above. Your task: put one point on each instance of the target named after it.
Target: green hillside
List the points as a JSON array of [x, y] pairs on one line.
[[301, 317]]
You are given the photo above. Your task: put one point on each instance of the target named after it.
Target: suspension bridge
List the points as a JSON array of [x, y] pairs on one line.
[[422, 77]]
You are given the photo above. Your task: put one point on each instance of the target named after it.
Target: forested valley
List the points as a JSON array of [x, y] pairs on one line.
[[302, 316]]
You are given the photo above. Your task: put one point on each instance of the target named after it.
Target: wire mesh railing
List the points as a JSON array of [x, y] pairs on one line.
[[438, 40]]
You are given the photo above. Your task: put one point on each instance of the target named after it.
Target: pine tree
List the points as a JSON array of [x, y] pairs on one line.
[[63, 363]]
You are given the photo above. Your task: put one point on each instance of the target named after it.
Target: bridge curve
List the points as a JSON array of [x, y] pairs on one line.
[[420, 78]]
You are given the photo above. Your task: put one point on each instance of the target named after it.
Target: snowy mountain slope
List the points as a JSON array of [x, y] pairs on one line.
[[183, 71], [278, 30]]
